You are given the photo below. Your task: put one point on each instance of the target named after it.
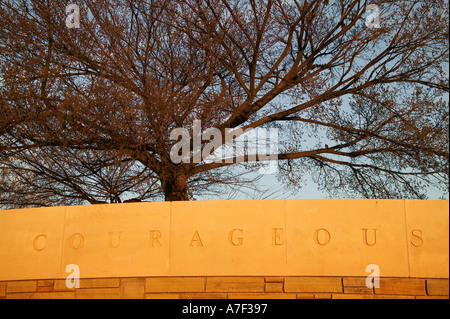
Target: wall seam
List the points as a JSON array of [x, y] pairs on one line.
[[406, 238], [61, 268], [285, 242], [170, 243]]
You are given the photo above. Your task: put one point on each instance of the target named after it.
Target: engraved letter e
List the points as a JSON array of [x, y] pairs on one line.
[[74, 271]]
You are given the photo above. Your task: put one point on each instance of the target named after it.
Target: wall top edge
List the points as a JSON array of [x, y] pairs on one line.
[[224, 201]]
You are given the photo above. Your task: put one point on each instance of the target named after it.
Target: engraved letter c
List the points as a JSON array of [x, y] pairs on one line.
[[35, 242]]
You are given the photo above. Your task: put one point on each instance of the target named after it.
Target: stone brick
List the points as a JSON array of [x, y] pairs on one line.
[[432, 297], [42, 295], [437, 287], [60, 286], [391, 296], [132, 288], [358, 290], [98, 293], [162, 296], [99, 283], [175, 284], [45, 289], [235, 284], [229, 287], [401, 286], [354, 281], [2, 289], [274, 279], [313, 284], [322, 296], [45, 283], [21, 286], [274, 287], [357, 296], [351, 296], [261, 296], [204, 296]]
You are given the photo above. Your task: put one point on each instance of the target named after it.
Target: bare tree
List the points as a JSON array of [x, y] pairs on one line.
[[364, 109]]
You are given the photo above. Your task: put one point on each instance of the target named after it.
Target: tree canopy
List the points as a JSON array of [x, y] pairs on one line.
[[86, 113]]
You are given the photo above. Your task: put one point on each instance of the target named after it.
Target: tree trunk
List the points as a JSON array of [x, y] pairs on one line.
[[175, 187]]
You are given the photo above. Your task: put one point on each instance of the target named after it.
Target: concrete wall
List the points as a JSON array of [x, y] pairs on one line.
[[228, 249]]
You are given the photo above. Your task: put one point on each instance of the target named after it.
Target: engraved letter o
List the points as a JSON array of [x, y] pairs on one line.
[[76, 244], [327, 237]]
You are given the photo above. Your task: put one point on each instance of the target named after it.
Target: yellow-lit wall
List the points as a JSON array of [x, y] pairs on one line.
[[228, 249]]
